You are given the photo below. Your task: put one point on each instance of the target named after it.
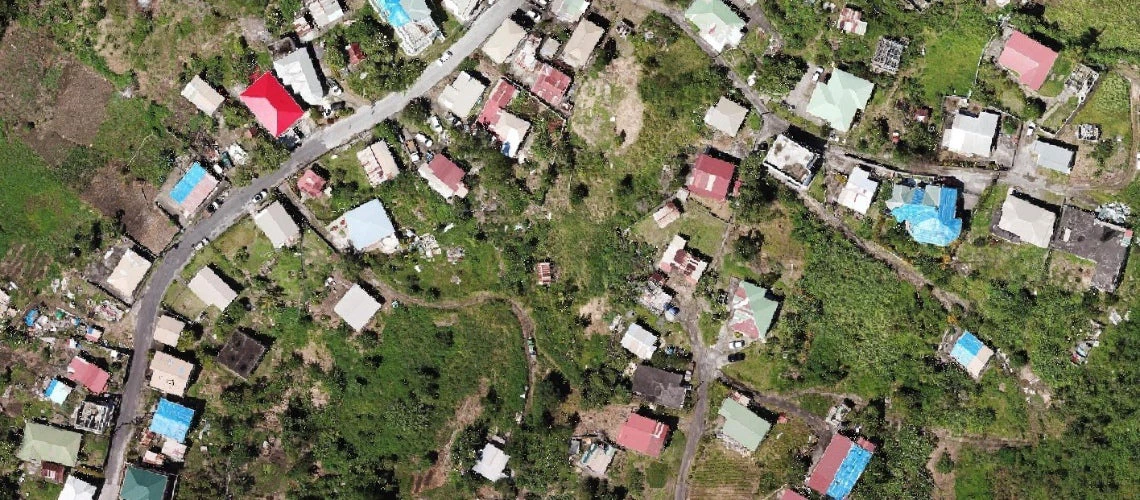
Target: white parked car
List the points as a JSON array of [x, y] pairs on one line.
[[1030, 128], [435, 126], [736, 344], [202, 244], [442, 59], [815, 76]]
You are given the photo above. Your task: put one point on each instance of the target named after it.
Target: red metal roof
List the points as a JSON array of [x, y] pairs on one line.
[[791, 495], [84, 372], [551, 85], [446, 171], [1028, 58], [499, 99], [824, 472], [311, 183], [643, 434], [711, 178], [274, 108]]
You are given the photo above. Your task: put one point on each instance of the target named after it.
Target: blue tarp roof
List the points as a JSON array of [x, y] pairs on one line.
[[187, 183], [929, 221], [849, 472], [393, 12], [31, 317], [966, 349], [172, 420]]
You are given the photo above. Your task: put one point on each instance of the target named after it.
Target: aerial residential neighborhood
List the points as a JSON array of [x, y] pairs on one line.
[[569, 249]]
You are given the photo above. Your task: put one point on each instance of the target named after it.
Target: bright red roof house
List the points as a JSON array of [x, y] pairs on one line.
[[85, 372], [311, 183], [271, 104], [643, 434], [1028, 58], [711, 178], [551, 85]]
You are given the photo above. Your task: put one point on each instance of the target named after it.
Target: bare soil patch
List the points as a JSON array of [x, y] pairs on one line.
[[114, 197], [606, 420], [57, 102], [595, 310], [608, 109], [317, 354]]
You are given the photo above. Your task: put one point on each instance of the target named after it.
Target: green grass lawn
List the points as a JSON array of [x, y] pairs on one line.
[[703, 230], [42, 215], [952, 52], [1109, 107]]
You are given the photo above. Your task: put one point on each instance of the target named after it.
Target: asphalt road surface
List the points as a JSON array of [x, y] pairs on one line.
[[240, 202]]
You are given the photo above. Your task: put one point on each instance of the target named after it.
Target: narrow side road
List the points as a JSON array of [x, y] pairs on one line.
[[239, 204]]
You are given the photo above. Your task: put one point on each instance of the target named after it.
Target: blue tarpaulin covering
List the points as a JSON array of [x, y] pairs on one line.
[[31, 317], [931, 221], [187, 183], [966, 349], [849, 472], [57, 391], [172, 420]]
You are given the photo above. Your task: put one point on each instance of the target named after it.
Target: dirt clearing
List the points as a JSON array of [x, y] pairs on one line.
[[114, 197], [468, 411]]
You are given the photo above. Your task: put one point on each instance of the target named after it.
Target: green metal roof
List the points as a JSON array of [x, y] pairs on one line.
[[743, 426], [837, 101], [49, 444], [700, 11], [142, 484], [763, 308]]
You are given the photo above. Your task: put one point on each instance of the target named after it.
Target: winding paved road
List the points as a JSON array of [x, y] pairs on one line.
[[240, 203]]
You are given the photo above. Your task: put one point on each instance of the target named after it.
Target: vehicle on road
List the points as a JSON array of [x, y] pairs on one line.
[[214, 206], [736, 356], [442, 59], [736, 344], [260, 196], [201, 244]]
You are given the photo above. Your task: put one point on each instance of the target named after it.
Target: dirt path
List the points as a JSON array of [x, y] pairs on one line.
[[477, 298]]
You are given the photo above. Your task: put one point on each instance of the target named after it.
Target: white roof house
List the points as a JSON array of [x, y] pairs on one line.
[[718, 25], [211, 289], [639, 341], [378, 163], [581, 43], [1028, 222], [859, 191], [461, 96], [511, 131], [411, 19], [504, 41], [277, 225], [972, 135], [569, 11], [1053, 156], [367, 228], [170, 374], [726, 116], [325, 12], [297, 71], [791, 162], [492, 463], [77, 489], [202, 95], [357, 307], [463, 10], [168, 330], [128, 273]]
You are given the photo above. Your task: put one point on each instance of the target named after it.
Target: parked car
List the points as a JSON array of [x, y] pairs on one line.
[[818, 73], [260, 196], [423, 139], [442, 59], [202, 244], [1029, 128], [736, 344], [435, 125], [736, 356], [532, 15], [214, 206]]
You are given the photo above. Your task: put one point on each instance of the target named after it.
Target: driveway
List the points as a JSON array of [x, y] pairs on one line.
[[240, 203]]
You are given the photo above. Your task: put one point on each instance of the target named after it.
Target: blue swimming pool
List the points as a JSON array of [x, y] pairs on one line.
[[187, 183]]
